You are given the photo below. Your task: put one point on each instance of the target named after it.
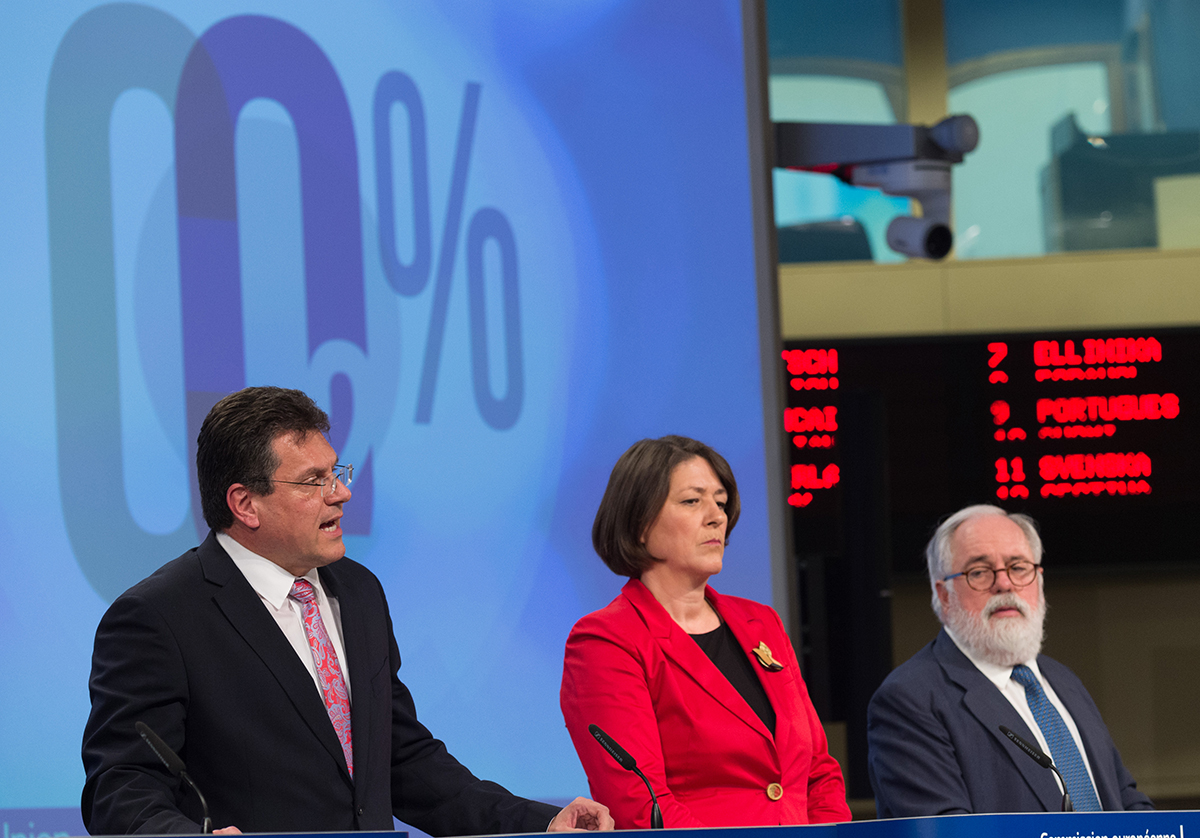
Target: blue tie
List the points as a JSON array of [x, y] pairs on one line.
[[1062, 746]]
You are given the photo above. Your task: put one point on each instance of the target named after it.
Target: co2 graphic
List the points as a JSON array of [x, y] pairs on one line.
[[497, 241], [393, 318]]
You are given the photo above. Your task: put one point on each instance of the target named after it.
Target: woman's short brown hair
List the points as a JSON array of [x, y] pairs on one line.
[[638, 488]]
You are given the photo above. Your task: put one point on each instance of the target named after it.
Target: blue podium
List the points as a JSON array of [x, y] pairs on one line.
[[1166, 824]]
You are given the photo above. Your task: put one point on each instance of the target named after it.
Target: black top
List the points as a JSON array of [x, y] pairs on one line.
[[722, 649]]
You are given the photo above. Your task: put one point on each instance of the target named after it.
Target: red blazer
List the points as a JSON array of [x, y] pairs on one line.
[[631, 669]]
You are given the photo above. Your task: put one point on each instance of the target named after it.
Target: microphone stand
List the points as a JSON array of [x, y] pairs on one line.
[[1041, 758], [627, 762], [175, 765]]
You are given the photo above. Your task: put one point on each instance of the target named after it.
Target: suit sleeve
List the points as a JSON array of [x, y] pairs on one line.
[[826, 786], [434, 792], [605, 683], [137, 675], [1131, 797], [911, 759]]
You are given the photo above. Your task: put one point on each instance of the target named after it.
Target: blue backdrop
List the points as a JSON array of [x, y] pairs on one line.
[[499, 242]]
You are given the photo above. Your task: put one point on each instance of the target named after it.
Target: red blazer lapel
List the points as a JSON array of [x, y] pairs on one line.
[[687, 655], [751, 630]]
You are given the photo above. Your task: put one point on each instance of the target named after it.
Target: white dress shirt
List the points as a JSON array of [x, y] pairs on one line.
[[1001, 676], [273, 584]]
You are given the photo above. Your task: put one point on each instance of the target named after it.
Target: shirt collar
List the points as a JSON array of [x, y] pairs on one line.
[[269, 580], [998, 675]]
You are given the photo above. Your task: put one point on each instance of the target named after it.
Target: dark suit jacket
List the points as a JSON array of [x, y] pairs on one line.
[[192, 652], [935, 747], [631, 669]]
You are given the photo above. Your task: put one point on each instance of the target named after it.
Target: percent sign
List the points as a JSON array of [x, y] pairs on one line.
[[486, 224]]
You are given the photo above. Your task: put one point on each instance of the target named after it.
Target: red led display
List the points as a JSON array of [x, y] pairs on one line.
[[1072, 428], [812, 426], [1077, 432], [999, 350], [1111, 351], [822, 383], [1080, 417], [806, 477], [1087, 466], [1108, 408], [811, 361], [801, 420]]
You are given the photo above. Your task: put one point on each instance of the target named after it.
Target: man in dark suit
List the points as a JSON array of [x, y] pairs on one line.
[[933, 727], [266, 660]]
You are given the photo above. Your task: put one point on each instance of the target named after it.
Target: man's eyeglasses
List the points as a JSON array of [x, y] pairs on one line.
[[981, 579], [341, 474]]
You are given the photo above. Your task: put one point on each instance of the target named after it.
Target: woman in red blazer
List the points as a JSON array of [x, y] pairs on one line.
[[703, 690]]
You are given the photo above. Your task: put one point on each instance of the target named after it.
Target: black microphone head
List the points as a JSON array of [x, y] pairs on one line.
[[161, 750], [618, 753], [1034, 752]]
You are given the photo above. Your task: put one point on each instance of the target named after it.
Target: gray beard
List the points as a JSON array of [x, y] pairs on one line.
[[1005, 642]]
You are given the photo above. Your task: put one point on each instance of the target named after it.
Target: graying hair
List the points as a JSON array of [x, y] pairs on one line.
[[938, 554]]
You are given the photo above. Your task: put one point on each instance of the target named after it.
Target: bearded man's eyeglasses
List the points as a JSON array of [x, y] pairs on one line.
[[341, 474], [982, 579]]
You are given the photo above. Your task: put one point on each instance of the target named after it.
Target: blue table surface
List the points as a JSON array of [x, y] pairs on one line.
[[1150, 824]]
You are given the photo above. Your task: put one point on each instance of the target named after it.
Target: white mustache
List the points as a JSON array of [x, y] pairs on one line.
[[1006, 600]]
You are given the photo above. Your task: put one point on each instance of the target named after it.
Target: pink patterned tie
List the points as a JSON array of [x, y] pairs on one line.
[[333, 686]]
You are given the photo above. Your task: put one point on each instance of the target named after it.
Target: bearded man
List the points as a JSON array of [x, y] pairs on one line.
[[933, 727]]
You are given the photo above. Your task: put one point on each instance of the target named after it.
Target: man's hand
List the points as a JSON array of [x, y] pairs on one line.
[[227, 830], [582, 815]]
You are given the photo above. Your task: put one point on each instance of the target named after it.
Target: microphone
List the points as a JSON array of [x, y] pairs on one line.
[[1038, 756], [175, 765], [629, 764]]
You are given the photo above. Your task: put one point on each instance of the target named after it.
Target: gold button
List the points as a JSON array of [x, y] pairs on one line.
[[774, 791]]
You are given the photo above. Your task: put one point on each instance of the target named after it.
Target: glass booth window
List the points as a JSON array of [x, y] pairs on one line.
[[1089, 125], [998, 188], [834, 62]]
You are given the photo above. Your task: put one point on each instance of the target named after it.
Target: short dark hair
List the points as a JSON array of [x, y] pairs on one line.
[[234, 443], [638, 488]]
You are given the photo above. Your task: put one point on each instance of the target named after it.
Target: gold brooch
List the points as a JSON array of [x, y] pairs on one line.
[[766, 658]]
